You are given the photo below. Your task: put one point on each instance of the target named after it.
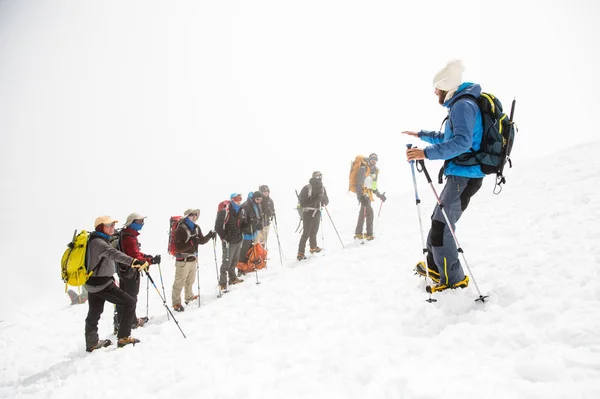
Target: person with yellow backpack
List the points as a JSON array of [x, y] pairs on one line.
[[101, 287], [363, 182]]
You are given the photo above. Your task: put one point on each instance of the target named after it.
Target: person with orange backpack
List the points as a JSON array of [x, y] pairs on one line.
[[228, 227], [187, 238], [365, 186]]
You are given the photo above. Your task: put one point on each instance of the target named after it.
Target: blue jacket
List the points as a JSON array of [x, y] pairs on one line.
[[462, 131]]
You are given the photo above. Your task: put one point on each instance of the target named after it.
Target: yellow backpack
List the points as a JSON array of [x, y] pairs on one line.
[[359, 161], [73, 265]]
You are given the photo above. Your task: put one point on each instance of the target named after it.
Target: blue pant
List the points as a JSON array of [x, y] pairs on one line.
[[442, 251]]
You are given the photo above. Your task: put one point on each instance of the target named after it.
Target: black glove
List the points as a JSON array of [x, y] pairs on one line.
[[382, 197], [259, 226], [211, 234], [156, 260]]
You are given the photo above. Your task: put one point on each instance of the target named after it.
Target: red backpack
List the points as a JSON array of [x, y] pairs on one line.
[[173, 223], [224, 205]]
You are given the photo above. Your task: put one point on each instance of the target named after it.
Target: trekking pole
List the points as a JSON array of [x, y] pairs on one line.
[[460, 250], [378, 214], [423, 245], [165, 303], [333, 224], [278, 243], [322, 230], [216, 267], [198, 277], [162, 284], [147, 295]]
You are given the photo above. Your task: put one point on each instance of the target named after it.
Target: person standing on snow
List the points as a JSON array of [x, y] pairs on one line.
[[366, 186], [129, 279], [187, 238], [462, 131], [228, 227], [312, 197], [268, 209], [101, 285], [251, 222]]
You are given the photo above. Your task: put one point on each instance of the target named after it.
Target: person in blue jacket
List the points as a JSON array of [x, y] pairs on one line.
[[462, 131]]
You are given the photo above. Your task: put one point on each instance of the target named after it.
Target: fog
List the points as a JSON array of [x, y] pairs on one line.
[[153, 107]]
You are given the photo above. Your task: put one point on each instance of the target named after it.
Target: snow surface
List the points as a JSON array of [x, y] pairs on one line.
[[354, 323]]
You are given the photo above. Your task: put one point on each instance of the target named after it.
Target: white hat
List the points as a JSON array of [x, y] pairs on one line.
[[132, 217], [449, 77], [104, 220], [188, 211]]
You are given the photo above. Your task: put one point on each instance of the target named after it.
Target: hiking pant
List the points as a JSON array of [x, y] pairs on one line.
[[231, 255], [443, 254], [310, 228], [96, 300], [263, 235], [246, 244], [185, 274], [366, 212], [131, 285]]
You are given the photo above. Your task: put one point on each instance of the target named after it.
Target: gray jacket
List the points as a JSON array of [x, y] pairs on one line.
[[101, 258]]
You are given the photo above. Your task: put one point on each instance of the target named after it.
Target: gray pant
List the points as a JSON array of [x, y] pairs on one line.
[[231, 255], [366, 212], [443, 254]]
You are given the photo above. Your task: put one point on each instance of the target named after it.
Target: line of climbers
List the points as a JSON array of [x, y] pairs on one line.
[[476, 140]]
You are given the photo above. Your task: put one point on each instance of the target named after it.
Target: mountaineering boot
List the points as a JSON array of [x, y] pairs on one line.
[[193, 299], [126, 341], [315, 250], [441, 287], [178, 308], [140, 322], [420, 269], [236, 281], [300, 256], [369, 238], [359, 236], [101, 344]]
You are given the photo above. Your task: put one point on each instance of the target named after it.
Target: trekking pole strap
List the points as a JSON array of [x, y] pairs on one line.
[[421, 163]]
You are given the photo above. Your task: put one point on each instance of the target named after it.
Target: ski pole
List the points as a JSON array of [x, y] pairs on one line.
[[163, 285], [198, 277], [322, 230], [165, 303], [216, 267], [460, 250], [333, 224], [278, 243], [147, 295], [423, 245]]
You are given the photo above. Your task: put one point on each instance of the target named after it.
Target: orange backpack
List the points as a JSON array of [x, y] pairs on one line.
[[257, 259], [359, 161]]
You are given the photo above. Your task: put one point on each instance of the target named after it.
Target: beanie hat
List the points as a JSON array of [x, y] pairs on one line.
[[449, 77], [257, 194], [373, 157], [263, 188], [317, 175]]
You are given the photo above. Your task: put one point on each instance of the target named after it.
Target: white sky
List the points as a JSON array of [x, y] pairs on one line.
[[154, 107]]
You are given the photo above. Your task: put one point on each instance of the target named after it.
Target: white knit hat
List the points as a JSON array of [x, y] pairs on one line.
[[449, 77]]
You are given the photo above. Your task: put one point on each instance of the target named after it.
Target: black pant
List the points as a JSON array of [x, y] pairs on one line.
[[130, 284], [310, 228], [112, 294], [366, 212]]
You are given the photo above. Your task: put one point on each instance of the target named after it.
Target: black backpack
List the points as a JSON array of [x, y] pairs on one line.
[[496, 140]]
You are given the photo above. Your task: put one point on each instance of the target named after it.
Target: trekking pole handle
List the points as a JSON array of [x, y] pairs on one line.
[[410, 146]]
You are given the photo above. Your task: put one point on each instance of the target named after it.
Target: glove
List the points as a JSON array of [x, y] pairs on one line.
[[139, 264], [211, 234], [156, 260], [382, 197], [259, 226]]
